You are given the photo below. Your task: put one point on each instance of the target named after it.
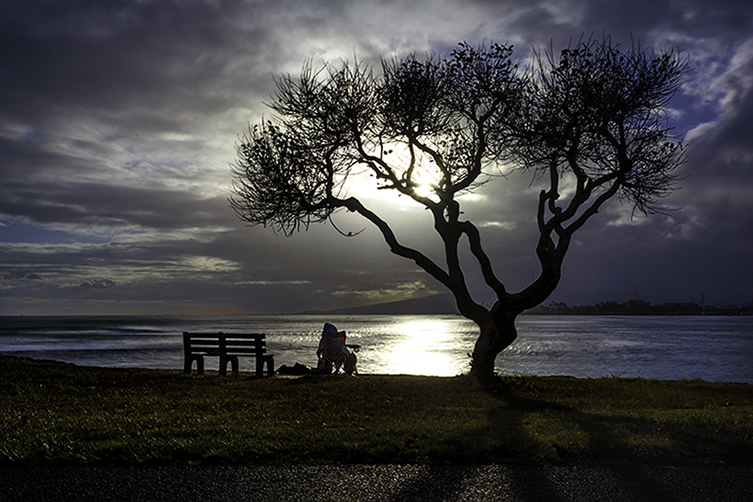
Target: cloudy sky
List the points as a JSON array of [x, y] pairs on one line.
[[118, 122]]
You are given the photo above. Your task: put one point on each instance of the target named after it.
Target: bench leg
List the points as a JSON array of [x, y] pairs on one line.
[[233, 360], [199, 364], [261, 361]]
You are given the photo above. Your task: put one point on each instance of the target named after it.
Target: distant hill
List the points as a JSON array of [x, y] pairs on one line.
[[444, 303], [436, 304]]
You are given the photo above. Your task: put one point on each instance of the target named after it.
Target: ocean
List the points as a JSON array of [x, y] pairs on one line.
[[712, 348]]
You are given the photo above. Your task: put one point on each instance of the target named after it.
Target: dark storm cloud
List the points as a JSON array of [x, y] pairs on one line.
[[543, 21], [95, 54], [100, 204], [118, 120]]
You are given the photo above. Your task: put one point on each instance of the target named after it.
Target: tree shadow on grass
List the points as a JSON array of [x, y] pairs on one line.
[[623, 449], [469, 462], [637, 434]]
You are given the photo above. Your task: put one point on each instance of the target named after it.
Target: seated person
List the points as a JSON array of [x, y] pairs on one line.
[[332, 350]]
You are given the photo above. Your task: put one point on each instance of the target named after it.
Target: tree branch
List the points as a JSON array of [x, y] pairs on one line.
[[354, 205], [474, 239]]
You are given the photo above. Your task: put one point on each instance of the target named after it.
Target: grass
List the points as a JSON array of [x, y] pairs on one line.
[[54, 413]]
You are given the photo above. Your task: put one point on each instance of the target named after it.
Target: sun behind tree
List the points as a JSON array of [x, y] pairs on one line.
[[432, 129]]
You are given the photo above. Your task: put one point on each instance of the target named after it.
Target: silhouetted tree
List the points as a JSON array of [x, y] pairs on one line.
[[591, 118]]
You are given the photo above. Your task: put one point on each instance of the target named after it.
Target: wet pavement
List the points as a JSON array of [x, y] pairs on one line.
[[498, 482]]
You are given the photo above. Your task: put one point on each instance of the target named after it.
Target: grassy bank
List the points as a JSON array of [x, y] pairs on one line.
[[56, 413]]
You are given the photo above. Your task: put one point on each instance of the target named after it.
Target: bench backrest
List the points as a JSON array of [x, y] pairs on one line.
[[231, 344]]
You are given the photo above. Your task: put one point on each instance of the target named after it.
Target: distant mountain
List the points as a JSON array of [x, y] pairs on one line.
[[437, 304]]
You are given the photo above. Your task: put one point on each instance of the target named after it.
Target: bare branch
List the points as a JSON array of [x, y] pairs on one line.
[[354, 205]]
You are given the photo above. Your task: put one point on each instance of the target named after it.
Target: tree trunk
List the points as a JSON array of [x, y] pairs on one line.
[[497, 333]]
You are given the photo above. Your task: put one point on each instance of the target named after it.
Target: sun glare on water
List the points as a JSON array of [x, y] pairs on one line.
[[421, 347]]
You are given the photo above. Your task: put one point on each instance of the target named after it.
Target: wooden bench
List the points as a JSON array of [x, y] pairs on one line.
[[228, 347]]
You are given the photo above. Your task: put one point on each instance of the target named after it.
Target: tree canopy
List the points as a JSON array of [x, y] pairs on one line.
[[591, 118]]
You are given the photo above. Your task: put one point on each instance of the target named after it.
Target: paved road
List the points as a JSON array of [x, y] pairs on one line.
[[508, 482]]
